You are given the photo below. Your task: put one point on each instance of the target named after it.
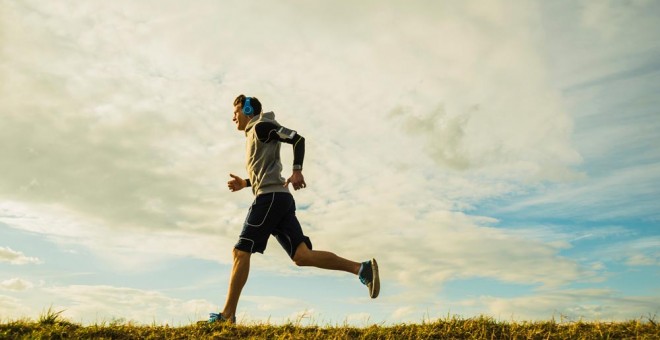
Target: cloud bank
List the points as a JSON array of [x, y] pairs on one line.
[[16, 257], [116, 134]]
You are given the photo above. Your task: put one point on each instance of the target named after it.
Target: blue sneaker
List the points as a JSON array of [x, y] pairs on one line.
[[218, 317], [368, 275]]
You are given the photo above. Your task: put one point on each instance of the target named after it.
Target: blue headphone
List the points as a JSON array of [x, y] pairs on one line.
[[247, 108]]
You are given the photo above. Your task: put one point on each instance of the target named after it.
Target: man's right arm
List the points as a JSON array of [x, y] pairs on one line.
[[236, 183]]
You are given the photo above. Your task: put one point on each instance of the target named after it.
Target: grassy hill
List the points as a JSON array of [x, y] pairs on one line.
[[51, 326]]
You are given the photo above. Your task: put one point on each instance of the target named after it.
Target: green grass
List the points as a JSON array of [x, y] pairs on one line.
[[52, 326]]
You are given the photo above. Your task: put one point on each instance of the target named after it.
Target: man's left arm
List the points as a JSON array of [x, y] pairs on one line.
[[285, 135], [268, 132]]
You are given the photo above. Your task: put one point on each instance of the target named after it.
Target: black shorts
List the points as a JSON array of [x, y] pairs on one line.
[[272, 214]]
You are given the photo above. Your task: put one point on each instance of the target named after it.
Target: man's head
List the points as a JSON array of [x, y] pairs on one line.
[[245, 108]]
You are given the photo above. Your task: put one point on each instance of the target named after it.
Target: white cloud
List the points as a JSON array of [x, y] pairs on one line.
[[624, 193], [16, 257], [569, 305], [639, 251], [591, 40], [614, 20], [302, 317], [144, 141], [429, 249], [297, 315], [272, 303], [276, 310], [123, 251], [404, 313], [359, 318], [16, 284], [96, 304], [644, 260], [11, 308], [116, 147]]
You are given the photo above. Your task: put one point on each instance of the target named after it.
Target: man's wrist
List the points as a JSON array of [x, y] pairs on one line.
[[297, 167]]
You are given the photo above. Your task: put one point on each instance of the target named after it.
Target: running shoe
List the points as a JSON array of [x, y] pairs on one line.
[[218, 317], [368, 275]]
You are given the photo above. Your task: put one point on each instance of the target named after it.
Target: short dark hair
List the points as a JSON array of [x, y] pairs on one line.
[[254, 102]]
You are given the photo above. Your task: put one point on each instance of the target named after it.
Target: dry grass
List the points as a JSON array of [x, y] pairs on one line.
[[52, 326]]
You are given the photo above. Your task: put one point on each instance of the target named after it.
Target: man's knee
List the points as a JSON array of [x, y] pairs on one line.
[[302, 255], [300, 260], [240, 254]]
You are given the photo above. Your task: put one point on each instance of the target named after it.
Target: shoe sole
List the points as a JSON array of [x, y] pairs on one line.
[[375, 283]]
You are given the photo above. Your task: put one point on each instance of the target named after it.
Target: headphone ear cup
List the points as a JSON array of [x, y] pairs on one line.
[[247, 108]]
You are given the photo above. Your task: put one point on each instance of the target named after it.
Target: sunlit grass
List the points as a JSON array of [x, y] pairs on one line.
[[51, 325]]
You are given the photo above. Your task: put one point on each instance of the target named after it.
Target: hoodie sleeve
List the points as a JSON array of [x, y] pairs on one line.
[[268, 132]]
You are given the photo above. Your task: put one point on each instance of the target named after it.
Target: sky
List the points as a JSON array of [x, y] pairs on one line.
[[496, 157]]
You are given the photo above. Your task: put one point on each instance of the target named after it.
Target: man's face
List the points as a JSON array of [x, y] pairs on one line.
[[240, 119]]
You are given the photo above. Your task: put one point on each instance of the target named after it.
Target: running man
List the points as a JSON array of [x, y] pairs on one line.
[[273, 210]]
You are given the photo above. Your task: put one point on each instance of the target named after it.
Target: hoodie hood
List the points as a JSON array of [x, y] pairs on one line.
[[264, 117]]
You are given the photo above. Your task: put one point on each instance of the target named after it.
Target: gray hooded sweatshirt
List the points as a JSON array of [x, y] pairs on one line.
[[263, 159]]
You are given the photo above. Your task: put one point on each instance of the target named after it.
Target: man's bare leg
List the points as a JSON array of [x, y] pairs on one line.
[[239, 276], [323, 259]]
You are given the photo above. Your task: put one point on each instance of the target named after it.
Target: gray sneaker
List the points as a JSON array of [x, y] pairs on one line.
[[368, 275]]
